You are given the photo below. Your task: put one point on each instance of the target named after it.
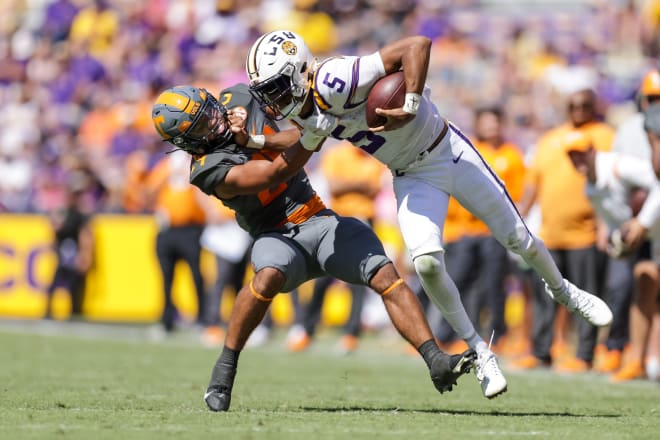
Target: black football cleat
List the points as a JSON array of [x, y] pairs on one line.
[[217, 399], [446, 369]]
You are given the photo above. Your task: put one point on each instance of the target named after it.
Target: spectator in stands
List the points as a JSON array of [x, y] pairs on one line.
[[630, 139], [645, 308], [74, 248], [568, 225], [230, 245], [181, 213]]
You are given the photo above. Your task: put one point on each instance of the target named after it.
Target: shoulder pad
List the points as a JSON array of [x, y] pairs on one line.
[[236, 96]]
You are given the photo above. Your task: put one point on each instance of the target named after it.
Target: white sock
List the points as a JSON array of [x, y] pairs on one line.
[[442, 291]]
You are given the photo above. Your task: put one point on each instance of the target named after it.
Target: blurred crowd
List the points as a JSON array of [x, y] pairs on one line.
[[78, 79]]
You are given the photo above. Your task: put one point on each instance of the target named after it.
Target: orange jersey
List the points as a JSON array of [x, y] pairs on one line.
[[568, 220], [507, 162], [346, 164], [176, 197]]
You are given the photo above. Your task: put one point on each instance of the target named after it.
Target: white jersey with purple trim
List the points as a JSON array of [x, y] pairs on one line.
[[341, 86]]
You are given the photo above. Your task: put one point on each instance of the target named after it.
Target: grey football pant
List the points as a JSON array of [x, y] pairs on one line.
[[326, 244]]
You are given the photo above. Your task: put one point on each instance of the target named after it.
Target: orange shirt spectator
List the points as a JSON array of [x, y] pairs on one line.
[[177, 202], [568, 220], [354, 179]]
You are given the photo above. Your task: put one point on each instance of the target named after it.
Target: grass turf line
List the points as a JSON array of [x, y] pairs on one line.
[[68, 387]]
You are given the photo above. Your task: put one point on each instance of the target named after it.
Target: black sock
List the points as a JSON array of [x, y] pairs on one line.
[[429, 350], [224, 370]]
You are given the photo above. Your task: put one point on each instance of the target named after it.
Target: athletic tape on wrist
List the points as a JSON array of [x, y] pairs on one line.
[[411, 104], [256, 141]]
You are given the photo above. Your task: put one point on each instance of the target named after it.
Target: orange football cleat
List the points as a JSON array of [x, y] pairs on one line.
[[608, 362], [299, 342], [572, 365], [526, 362], [213, 336], [347, 344], [630, 370], [560, 350]]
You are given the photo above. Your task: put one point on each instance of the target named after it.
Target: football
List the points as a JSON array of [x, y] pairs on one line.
[[387, 93]]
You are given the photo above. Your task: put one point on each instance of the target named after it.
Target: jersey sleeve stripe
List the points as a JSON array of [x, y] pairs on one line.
[[322, 103], [355, 77]]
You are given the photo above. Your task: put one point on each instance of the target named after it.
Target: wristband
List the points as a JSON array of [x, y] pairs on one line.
[[256, 141], [311, 141], [411, 104]]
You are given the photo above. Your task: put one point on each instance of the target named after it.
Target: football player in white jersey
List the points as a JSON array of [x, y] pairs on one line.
[[430, 159]]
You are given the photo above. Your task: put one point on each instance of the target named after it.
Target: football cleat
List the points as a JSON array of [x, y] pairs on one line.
[[489, 374], [446, 369], [590, 307], [217, 398]]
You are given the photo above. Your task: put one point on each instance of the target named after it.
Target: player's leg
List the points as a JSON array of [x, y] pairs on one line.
[[421, 213], [641, 316], [166, 261], [277, 264], [350, 251], [481, 192], [653, 349], [408, 318], [422, 209], [190, 249]]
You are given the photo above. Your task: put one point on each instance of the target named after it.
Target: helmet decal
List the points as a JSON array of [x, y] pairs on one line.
[[289, 48], [191, 119], [278, 66]]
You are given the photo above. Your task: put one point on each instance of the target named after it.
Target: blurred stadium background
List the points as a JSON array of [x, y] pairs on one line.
[[78, 77]]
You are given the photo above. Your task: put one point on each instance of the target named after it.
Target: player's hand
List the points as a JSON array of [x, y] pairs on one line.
[[396, 118], [634, 233], [237, 117]]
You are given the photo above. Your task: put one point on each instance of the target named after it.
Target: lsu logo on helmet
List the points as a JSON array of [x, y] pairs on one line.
[[289, 48]]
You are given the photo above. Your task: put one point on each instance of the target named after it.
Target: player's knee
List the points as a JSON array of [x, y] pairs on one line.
[[430, 265], [268, 281], [521, 242]]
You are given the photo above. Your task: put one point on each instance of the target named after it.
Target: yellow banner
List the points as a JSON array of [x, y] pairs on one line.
[[124, 284]]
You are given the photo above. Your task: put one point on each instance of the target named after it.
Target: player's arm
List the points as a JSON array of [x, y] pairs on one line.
[[530, 193], [257, 175], [86, 248], [654, 140], [411, 55], [277, 140]]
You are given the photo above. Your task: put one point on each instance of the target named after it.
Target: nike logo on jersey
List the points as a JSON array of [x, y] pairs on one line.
[[457, 158]]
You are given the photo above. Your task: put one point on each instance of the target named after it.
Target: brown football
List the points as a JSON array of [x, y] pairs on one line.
[[387, 93]]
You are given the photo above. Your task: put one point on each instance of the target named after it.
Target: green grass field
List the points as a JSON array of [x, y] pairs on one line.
[[72, 381]]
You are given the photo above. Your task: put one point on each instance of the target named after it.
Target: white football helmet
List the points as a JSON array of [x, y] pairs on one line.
[[278, 67]]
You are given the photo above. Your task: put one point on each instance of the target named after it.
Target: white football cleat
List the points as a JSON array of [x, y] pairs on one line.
[[489, 374], [590, 307]]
